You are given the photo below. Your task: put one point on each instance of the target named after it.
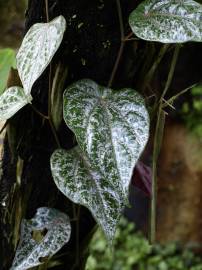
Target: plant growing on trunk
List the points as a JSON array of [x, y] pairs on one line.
[[110, 126]]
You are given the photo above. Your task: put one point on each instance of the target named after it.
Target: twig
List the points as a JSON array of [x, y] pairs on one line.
[[47, 13], [170, 100], [54, 133], [38, 112], [128, 36], [120, 52], [77, 238], [50, 91], [157, 145], [131, 39], [152, 70], [4, 126], [171, 72], [77, 234]]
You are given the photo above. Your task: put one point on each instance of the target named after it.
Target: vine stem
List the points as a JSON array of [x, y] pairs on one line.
[[129, 36], [157, 144], [120, 52], [38, 112], [4, 126], [168, 102], [153, 68], [50, 91], [47, 13]]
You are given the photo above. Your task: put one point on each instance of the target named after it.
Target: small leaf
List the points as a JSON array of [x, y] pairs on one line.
[[11, 101], [112, 129], [29, 251], [168, 21], [7, 60], [37, 50]]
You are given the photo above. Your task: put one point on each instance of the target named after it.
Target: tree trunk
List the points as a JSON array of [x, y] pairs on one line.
[[89, 50]]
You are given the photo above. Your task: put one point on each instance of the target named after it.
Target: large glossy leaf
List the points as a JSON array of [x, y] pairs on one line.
[[168, 21], [7, 60], [112, 129], [11, 101], [75, 177], [37, 49], [31, 251]]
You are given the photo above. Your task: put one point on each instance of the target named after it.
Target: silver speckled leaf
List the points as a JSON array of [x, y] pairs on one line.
[[112, 129], [37, 50], [29, 251], [167, 21], [82, 184], [11, 101]]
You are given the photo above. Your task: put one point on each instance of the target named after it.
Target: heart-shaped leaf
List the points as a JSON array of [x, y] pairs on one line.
[[168, 21], [29, 251], [37, 50], [74, 176], [112, 129], [11, 101]]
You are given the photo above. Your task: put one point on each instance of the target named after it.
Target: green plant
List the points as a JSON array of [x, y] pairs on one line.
[[7, 61], [111, 127], [191, 112], [131, 251]]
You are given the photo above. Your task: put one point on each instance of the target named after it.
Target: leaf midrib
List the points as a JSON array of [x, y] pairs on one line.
[[155, 14], [87, 166]]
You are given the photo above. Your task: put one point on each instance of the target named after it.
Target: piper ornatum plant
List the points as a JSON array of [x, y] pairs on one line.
[[111, 127]]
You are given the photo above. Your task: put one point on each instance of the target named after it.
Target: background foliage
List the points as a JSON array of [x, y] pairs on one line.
[[133, 252]]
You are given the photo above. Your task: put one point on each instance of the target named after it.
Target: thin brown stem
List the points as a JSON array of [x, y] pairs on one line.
[[38, 112], [120, 19], [116, 64], [47, 13], [54, 133], [120, 52], [77, 238], [157, 145], [128, 36], [155, 65], [131, 39], [50, 91], [172, 99], [4, 126], [172, 70], [77, 234]]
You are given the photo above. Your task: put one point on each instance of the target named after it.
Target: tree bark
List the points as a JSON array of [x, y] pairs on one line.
[[89, 50]]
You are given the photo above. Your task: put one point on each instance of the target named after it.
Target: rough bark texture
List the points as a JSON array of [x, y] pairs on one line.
[[89, 50]]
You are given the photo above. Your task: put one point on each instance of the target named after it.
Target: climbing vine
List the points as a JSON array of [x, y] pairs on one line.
[[111, 126]]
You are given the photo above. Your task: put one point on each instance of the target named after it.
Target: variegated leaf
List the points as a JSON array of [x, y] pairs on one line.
[[77, 180], [112, 129], [11, 101], [168, 21], [37, 50], [29, 251]]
